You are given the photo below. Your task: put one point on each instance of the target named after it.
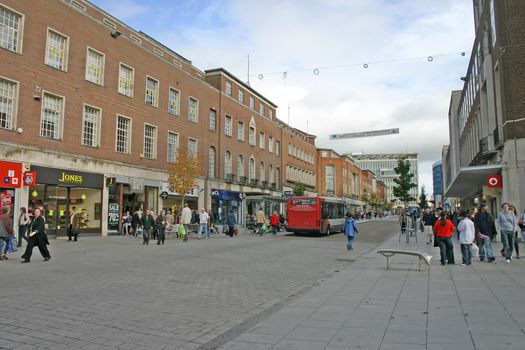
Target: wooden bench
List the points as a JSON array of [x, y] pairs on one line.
[[390, 252]]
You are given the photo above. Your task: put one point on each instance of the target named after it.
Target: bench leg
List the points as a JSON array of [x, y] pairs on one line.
[[387, 262]]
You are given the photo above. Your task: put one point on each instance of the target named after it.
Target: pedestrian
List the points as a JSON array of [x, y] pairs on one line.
[[160, 225], [429, 219], [521, 224], [36, 238], [467, 235], [260, 219], [507, 225], [185, 219], [274, 222], [72, 229], [485, 227], [282, 221], [444, 229], [350, 230], [135, 222], [169, 220], [204, 219], [23, 222], [231, 221], [402, 221], [126, 223], [6, 231], [516, 230], [147, 223]]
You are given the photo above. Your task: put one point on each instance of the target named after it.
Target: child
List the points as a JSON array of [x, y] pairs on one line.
[[467, 233], [350, 230]]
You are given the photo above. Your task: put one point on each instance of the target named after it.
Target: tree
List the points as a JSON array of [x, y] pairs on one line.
[[298, 189], [404, 182], [365, 197], [423, 200], [183, 173]]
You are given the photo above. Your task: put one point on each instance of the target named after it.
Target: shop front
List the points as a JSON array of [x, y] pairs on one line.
[[11, 181], [59, 190], [224, 202], [172, 201], [268, 204]]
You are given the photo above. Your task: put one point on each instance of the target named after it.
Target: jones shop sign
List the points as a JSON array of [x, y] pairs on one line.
[[69, 178]]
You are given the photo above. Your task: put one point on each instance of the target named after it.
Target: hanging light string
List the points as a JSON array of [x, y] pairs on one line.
[[365, 65]]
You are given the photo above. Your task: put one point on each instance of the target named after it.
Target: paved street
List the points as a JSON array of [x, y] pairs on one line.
[[115, 293]]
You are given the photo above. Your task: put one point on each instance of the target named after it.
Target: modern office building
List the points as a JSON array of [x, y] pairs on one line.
[[484, 162]]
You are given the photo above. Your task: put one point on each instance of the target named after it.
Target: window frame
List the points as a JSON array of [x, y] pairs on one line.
[[14, 112], [252, 102], [228, 125], [240, 96], [61, 116], [128, 136], [178, 94], [214, 112], [153, 144], [20, 31], [86, 76], [191, 98], [196, 146], [132, 88], [270, 144], [212, 171], [155, 102], [262, 140], [66, 50], [175, 151], [228, 89], [240, 131], [98, 124]]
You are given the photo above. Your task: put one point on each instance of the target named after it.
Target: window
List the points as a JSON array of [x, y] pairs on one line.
[[261, 171], [192, 147], [211, 163], [213, 119], [152, 92], [251, 169], [240, 131], [270, 173], [56, 50], [123, 134], [150, 141], [8, 103], [330, 179], [51, 117], [262, 140], [126, 77], [173, 145], [270, 144], [277, 176], [95, 66], [252, 102], [228, 126], [173, 101], [261, 109], [277, 147], [241, 96], [228, 88], [11, 25], [270, 114], [240, 165], [193, 107], [90, 126], [227, 163]]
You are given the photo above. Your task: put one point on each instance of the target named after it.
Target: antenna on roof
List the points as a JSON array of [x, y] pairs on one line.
[[248, 82]]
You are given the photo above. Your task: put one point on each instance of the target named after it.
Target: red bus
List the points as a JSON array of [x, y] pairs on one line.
[[315, 215]]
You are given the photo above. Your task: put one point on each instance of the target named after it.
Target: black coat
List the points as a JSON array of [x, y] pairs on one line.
[[38, 224]]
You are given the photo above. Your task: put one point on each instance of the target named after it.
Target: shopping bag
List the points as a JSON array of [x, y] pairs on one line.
[[475, 250], [181, 230]]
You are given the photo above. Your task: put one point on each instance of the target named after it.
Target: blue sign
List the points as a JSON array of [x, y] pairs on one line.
[[224, 195]]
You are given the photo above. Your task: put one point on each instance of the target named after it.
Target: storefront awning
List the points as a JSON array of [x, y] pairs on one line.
[[469, 180]]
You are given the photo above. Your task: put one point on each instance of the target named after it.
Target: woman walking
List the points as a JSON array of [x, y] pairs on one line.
[[23, 222], [507, 225], [6, 231], [37, 238], [274, 222], [516, 231], [444, 229]]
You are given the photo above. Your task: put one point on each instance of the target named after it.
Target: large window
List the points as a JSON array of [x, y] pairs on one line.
[[251, 169], [252, 102], [330, 179], [8, 103], [173, 144], [193, 107], [277, 176], [150, 141], [251, 136], [95, 66], [192, 147], [228, 88], [11, 25], [213, 119], [261, 171], [51, 116], [241, 96], [240, 131], [277, 147], [270, 173], [126, 77], [270, 144], [262, 140], [90, 126], [56, 50], [152, 92], [174, 102], [123, 140], [228, 126], [227, 163], [240, 165], [211, 162]]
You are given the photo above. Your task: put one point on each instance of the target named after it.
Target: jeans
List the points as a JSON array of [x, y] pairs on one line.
[[5, 241], [466, 253], [203, 229], [349, 244], [446, 250], [507, 238], [260, 228], [485, 249], [146, 235]]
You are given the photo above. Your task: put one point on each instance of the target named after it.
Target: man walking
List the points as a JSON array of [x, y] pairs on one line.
[[486, 227], [260, 219], [160, 225], [429, 220], [185, 219], [147, 226], [350, 230], [203, 223], [72, 230]]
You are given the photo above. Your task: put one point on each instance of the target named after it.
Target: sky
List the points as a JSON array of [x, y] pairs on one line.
[[309, 58]]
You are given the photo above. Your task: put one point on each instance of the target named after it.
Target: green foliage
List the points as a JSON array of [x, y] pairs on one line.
[[423, 200], [404, 182], [298, 189]]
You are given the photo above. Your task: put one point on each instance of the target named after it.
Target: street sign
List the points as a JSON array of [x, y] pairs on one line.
[[371, 133], [495, 181]]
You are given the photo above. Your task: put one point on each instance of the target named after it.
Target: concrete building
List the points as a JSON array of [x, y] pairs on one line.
[[383, 167], [484, 162]]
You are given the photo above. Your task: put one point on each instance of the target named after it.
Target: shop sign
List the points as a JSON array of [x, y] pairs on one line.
[[68, 178], [193, 192], [111, 181], [10, 174], [224, 195], [164, 195], [30, 178], [137, 184], [113, 216], [495, 181], [5, 199]]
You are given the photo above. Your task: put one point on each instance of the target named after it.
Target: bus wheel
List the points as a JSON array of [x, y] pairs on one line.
[[328, 231]]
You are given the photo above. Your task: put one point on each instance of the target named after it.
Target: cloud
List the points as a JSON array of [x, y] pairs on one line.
[[125, 10]]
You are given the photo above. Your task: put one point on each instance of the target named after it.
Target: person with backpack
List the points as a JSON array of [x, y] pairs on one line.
[[6, 231], [350, 230]]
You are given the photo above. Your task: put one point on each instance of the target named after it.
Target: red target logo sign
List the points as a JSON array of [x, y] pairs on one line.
[[494, 181]]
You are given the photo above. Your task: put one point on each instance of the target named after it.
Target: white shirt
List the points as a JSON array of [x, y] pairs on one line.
[[467, 231], [185, 217], [203, 217]]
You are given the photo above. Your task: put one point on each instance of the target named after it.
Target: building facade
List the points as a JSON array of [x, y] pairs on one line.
[[437, 183], [484, 162]]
